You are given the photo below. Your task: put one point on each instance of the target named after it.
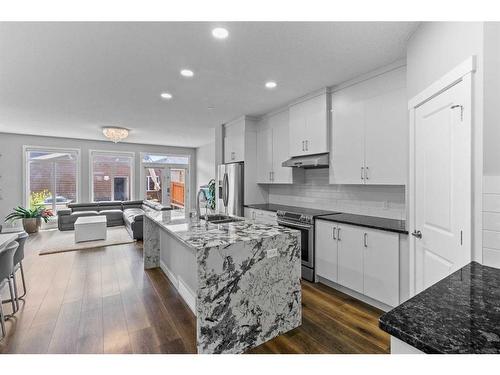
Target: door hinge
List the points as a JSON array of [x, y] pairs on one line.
[[461, 110]]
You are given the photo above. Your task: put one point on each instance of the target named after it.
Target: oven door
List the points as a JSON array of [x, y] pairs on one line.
[[306, 241]]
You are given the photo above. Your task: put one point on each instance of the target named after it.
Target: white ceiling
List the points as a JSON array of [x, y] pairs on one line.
[[70, 79]]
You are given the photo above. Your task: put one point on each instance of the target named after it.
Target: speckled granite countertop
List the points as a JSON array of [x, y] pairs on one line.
[[201, 236], [459, 314]]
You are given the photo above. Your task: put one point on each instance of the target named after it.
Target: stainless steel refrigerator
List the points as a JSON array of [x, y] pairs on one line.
[[230, 194]]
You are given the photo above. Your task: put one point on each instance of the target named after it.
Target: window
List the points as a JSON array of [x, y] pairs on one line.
[[151, 182], [52, 178], [112, 176], [164, 159]]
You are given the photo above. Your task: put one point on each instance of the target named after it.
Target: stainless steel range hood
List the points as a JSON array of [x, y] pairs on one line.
[[309, 161]]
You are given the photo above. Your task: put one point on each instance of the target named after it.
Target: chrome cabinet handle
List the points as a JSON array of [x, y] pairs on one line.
[[365, 239], [303, 145], [333, 232], [362, 173], [338, 234], [307, 145], [366, 173]]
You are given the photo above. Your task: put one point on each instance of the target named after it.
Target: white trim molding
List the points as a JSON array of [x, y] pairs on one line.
[[446, 81]]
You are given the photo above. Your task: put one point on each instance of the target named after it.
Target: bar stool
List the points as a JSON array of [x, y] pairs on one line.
[[18, 261], [6, 271]]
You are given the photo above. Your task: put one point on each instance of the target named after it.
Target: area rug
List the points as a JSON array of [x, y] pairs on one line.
[[54, 241]]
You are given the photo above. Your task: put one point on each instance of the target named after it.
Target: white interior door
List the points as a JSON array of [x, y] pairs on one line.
[[442, 206]]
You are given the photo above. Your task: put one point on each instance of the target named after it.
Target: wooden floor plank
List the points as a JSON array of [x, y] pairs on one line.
[[102, 301]]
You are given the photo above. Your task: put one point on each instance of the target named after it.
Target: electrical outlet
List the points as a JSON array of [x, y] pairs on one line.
[[271, 253]]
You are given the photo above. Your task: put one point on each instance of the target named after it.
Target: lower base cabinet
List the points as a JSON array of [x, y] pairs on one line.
[[361, 259]]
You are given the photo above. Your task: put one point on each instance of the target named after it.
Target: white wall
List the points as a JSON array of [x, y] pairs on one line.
[[11, 149], [491, 128], [433, 50], [205, 164], [316, 192], [491, 221]]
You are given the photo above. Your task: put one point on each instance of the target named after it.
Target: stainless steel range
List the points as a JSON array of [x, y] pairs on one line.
[[302, 219]]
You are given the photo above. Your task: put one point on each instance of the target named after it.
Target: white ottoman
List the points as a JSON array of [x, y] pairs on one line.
[[90, 228]]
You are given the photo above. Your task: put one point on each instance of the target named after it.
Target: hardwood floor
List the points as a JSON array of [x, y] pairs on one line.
[[102, 301]]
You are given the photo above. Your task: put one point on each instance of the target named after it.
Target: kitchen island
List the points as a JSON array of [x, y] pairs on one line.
[[241, 279], [458, 315]]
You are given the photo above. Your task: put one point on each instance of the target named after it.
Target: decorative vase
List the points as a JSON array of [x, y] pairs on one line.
[[30, 225]]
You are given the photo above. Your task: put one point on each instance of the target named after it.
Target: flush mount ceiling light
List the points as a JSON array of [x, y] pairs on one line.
[[187, 73], [166, 95], [271, 84], [220, 33], [115, 134]]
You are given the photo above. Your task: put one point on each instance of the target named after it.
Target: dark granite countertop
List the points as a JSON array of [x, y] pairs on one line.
[[390, 225], [459, 314], [279, 207]]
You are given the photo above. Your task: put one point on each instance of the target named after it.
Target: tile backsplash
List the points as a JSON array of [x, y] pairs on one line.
[[316, 192]]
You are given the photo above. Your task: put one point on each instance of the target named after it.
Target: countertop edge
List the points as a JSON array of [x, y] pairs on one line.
[[399, 231], [408, 339], [200, 248]]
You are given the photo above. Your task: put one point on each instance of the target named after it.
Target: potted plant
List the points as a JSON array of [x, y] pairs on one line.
[[31, 217]]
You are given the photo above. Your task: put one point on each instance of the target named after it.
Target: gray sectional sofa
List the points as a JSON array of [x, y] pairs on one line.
[[128, 213]]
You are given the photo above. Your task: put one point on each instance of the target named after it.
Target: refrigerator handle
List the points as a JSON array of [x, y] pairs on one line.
[[225, 190]]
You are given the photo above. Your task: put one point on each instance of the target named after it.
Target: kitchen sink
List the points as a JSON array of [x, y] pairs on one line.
[[221, 219]]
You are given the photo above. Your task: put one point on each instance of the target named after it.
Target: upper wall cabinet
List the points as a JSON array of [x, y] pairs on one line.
[[234, 141], [369, 135], [309, 126], [272, 151]]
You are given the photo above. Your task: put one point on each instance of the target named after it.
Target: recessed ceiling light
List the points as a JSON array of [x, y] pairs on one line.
[[271, 84], [166, 95], [220, 33], [187, 73]]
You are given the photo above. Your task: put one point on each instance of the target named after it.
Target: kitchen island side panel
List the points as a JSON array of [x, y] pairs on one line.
[[247, 296]]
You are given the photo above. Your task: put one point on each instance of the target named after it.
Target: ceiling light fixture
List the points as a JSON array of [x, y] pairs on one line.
[[220, 33], [187, 73], [271, 84], [166, 95], [115, 134]]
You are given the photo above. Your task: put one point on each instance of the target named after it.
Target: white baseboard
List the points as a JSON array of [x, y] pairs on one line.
[[187, 295], [185, 292], [370, 301]]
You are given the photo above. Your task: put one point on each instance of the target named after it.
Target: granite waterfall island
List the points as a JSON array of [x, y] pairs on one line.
[[241, 279]]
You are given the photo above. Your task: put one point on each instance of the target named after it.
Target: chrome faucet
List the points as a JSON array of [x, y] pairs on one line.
[[198, 213]]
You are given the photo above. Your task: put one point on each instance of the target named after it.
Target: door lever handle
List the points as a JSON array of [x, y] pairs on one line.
[[417, 234]]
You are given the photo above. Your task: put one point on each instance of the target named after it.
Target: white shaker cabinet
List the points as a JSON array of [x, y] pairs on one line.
[[348, 156], [361, 259], [381, 266], [369, 135], [272, 150], [326, 250], [264, 155], [234, 141], [309, 126], [350, 259], [386, 144]]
